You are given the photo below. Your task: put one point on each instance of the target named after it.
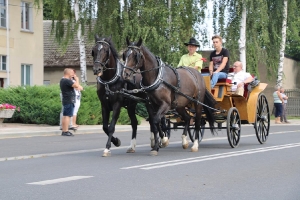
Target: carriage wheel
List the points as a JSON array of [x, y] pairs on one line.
[[192, 131], [233, 127], [262, 119]]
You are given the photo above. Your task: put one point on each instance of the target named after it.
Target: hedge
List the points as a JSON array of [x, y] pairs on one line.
[[42, 105]]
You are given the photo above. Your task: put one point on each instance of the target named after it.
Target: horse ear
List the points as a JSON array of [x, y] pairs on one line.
[[96, 37], [139, 43], [109, 39], [127, 41]]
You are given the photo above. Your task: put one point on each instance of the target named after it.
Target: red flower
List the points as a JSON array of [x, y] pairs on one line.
[[204, 59]]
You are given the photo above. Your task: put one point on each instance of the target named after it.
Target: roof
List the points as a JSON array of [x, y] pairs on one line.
[[53, 55]]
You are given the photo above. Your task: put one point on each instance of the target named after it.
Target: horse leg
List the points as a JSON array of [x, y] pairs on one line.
[[195, 146], [134, 122], [186, 117], [152, 125], [111, 130], [159, 116]]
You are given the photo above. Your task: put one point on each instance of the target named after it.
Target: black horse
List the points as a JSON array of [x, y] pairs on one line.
[[169, 88], [110, 82]]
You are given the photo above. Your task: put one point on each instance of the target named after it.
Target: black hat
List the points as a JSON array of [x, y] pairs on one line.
[[192, 41]]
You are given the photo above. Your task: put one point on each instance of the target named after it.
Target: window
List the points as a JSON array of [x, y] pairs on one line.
[[46, 82], [2, 13], [26, 16], [2, 62], [25, 75]]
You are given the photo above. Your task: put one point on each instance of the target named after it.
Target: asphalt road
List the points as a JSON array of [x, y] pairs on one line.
[[59, 167]]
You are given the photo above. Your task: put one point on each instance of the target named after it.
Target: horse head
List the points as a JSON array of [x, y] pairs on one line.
[[134, 59], [101, 53]]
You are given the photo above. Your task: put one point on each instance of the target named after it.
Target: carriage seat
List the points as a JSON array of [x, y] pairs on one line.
[[226, 82]]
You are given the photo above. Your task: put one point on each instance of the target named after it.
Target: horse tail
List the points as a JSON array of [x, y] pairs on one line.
[[210, 117]]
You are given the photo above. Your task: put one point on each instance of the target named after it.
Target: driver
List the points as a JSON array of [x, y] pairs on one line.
[[192, 59]]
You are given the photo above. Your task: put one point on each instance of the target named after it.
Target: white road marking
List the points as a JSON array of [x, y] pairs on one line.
[[24, 157], [211, 157], [59, 180]]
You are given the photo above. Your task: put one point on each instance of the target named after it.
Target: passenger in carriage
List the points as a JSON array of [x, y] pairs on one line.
[[219, 61], [192, 59], [239, 78]]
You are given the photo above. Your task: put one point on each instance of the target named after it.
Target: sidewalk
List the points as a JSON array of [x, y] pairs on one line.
[[13, 130]]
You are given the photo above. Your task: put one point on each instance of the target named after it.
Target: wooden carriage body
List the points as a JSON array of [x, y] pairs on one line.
[[246, 104]]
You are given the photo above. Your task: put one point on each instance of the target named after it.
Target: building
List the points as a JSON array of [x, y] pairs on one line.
[[21, 43], [56, 59]]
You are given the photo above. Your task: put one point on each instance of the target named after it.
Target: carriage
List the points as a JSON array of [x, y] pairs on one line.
[[231, 109], [162, 87]]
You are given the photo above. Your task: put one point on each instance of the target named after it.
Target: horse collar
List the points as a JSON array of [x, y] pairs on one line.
[[115, 78], [159, 78]]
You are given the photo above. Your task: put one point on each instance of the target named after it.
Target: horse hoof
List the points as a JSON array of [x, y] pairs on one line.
[[185, 146], [194, 149], [118, 143], [153, 153], [106, 153], [165, 142], [130, 150]]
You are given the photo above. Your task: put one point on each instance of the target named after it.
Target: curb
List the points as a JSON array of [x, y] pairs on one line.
[[51, 132]]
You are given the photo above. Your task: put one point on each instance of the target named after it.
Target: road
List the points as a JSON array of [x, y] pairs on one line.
[[59, 167]]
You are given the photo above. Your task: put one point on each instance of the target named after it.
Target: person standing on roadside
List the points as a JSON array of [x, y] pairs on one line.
[[77, 103], [219, 61], [278, 104], [285, 98], [192, 59], [67, 86]]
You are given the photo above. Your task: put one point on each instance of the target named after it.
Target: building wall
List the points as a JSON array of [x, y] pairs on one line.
[[52, 75], [291, 71], [25, 47]]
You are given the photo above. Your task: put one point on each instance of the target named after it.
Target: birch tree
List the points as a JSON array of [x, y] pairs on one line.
[[282, 44], [81, 43], [242, 40]]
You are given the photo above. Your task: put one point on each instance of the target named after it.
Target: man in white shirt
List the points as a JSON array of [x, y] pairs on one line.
[[239, 78]]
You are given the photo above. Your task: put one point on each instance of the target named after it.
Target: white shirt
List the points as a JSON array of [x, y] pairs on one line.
[[237, 78], [283, 96]]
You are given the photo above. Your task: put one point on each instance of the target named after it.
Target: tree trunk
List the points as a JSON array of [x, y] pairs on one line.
[[242, 40], [81, 45], [170, 17], [282, 44]]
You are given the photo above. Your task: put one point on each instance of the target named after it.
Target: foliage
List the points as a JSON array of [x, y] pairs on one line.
[[42, 105], [293, 29], [263, 30], [163, 28]]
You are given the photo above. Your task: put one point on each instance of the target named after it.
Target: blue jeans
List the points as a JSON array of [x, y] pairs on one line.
[[216, 77], [278, 109]]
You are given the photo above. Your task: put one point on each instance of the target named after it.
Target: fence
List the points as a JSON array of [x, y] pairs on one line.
[[293, 105]]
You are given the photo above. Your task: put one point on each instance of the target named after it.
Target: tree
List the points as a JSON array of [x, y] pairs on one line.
[[282, 44], [81, 43], [163, 25]]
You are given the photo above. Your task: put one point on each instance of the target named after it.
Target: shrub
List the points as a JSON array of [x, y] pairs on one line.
[[42, 105]]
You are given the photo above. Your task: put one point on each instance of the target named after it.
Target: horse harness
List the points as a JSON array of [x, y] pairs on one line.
[[159, 79]]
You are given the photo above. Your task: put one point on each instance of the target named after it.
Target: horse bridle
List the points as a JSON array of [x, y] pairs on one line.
[[139, 55], [103, 64]]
